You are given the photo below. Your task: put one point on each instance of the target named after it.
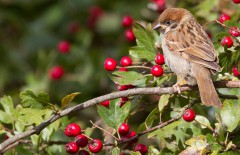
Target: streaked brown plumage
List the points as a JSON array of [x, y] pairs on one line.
[[189, 52]]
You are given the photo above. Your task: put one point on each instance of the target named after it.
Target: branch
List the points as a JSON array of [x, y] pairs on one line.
[[114, 95]]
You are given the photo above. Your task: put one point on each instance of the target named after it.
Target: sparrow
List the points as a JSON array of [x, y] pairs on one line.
[[189, 52]]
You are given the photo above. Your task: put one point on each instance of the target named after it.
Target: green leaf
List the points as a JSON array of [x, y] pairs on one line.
[[145, 43], [115, 151], [29, 99], [153, 151], [114, 116], [230, 114], [35, 139], [164, 99], [229, 145], [32, 116], [5, 118], [204, 122], [135, 153], [151, 118], [7, 104], [67, 99], [130, 77], [166, 131]]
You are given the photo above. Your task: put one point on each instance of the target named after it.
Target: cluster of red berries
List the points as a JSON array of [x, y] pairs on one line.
[[110, 64], [235, 71], [234, 32], [125, 133], [189, 115], [127, 22], [81, 141]]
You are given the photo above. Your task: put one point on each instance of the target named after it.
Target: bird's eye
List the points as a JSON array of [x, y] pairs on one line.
[[168, 22]]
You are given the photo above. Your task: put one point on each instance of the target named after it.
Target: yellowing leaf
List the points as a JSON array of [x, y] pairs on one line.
[[67, 99]]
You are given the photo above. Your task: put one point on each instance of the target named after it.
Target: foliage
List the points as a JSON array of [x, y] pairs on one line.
[[30, 35]]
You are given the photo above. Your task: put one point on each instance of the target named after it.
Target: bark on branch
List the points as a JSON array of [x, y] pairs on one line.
[[131, 92]]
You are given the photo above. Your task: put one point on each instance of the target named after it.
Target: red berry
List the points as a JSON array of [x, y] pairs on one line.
[[95, 146], [209, 34], [105, 103], [83, 152], [161, 5], [236, 1], [123, 129], [141, 148], [71, 148], [159, 59], [123, 100], [122, 69], [234, 33], [189, 115], [157, 71], [126, 61], [63, 47], [227, 41], [6, 137], [223, 18], [56, 72], [110, 64], [127, 21], [95, 12], [129, 35], [72, 130], [121, 87], [81, 140], [235, 71]]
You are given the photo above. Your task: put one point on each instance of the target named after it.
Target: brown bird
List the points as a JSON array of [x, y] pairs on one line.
[[189, 52]]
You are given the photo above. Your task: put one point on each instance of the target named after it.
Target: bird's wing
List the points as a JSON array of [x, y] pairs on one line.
[[193, 44]]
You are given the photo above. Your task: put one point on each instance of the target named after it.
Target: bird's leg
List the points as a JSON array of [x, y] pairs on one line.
[[180, 81]]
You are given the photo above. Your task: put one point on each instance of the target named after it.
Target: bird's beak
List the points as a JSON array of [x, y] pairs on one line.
[[158, 25]]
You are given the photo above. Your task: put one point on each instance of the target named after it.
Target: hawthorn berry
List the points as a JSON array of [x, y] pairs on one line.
[[224, 17], [95, 12], [126, 61], [121, 87], [81, 140], [161, 5], [141, 148], [159, 59], [227, 41], [122, 69], [189, 115], [129, 35], [56, 72], [110, 64], [123, 100], [83, 152], [127, 21], [105, 103], [63, 47], [132, 134], [71, 148], [157, 70], [95, 146], [233, 32], [72, 130], [123, 129], [73, 27], [236, 1], [235, 71]]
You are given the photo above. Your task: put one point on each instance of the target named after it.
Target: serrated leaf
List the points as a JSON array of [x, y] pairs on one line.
[[7, 104], [130, 77], [29, 99], [115, 151], [32, 116], [5, 118], [230, 114], [141, 53], [204, 122], [166, 131], [151, 118], [164, 99], [114, 116], [67, 99]]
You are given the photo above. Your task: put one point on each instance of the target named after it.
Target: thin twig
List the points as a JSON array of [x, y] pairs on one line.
[[126, 93], [103, 130]]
